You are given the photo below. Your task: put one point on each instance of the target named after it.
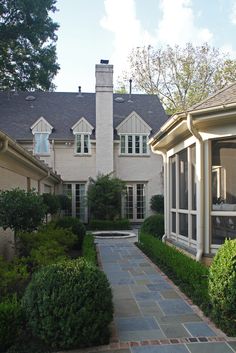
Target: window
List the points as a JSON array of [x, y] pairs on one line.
[[82, 143], [41, 143], [133, 144]]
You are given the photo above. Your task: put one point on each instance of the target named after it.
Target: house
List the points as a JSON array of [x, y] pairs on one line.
[[199, 153], [81, 135], [19, 168]]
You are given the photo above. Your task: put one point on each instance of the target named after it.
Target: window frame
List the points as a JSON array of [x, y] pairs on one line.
[[47, 141], [125, 145], [82, 135]]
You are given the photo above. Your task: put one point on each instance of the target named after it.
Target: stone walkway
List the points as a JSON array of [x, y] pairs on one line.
[[151, 314]]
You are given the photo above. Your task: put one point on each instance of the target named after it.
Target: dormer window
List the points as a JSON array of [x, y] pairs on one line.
[[41, 143], [82, 143], [82, 131], [41, 130], [135, 144]]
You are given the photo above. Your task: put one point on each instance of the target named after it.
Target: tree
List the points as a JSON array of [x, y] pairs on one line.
[[180, 76], [52, 204], [21, 210], [104, 197], [27, 44]]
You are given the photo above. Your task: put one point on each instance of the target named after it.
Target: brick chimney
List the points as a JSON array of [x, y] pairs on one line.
[[104, 118]]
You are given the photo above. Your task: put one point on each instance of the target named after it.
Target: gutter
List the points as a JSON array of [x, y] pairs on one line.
[[4, 146], [201, 205]]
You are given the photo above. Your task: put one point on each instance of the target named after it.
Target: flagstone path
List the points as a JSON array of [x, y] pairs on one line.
[[151, 314]]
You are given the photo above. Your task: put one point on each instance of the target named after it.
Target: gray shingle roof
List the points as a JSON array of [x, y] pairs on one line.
[[225, 96], [63, 110]]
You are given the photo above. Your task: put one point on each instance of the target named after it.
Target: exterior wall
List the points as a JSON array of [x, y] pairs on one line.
[[147, 169]]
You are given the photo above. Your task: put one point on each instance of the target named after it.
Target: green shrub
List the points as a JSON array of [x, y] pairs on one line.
[[76, 226], [31, 241], [47, 253], [69, 305], [121, 224], [13, 277], [154, 225], [189, 275], [89, 249], [222, 286], [11, 322], [157, 203]]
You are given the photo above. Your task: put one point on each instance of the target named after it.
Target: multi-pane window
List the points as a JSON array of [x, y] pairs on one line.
[[41, 143], [82, 143], [133, 144], [76, 194]]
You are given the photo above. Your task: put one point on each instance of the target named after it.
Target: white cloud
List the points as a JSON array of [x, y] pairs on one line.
[[233, 14], [177, 25], [120, 19]]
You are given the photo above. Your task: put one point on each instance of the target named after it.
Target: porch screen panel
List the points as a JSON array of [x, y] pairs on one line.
[[183, 179], [173, 182]]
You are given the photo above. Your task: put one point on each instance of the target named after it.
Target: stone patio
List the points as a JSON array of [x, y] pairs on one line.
[[151, 314]]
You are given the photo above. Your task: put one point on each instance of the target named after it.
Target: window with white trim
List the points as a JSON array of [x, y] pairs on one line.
[[135, 144], [82, 143], [41, 143]]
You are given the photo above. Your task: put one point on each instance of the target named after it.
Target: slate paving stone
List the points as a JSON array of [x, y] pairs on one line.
[[199, 329], [163, 319], [126, 307], [141, 335], [136, 324], [209, 348], [121, 292], [232, 345], [174, 306], [173, 348], [148, 296], [160, 285], [170, 294], [174, 331]]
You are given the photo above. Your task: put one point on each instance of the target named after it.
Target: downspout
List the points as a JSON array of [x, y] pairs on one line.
[[40, 180], [164, 156], [200, 205], [4, 146]]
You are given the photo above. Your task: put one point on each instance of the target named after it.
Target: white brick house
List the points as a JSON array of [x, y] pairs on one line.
[[80, 135]]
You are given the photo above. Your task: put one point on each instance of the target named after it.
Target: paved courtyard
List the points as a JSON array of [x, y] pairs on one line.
[[151, 314]]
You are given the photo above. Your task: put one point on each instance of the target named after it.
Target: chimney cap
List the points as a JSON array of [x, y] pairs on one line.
[[104, 62]]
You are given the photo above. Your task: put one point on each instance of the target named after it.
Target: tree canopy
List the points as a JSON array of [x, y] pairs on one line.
[[27, 44], [180, 76]]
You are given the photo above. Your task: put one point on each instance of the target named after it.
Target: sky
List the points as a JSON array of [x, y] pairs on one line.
[[91, 30]]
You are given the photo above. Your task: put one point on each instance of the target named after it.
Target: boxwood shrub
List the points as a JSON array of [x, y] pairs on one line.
[[69, 305], [89, 249], [76, 226], [11, 322], [121, 224], [222, 287], [154, 225], [189, 275]]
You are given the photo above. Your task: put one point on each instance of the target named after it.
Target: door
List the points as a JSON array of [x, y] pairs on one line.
[[76, 192], [135, 202]]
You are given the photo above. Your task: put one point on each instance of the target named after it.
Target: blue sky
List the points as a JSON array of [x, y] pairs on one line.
[[91, 30]]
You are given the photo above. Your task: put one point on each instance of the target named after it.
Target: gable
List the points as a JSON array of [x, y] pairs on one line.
[[41, 125], [133, 124], [82, 126]]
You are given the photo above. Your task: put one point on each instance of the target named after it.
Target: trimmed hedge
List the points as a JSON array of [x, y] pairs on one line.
[[121, 224], [69, 305], [76, 226], [222, 287], [11, 322], [189, 275], [89, 249], [154, 225]]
